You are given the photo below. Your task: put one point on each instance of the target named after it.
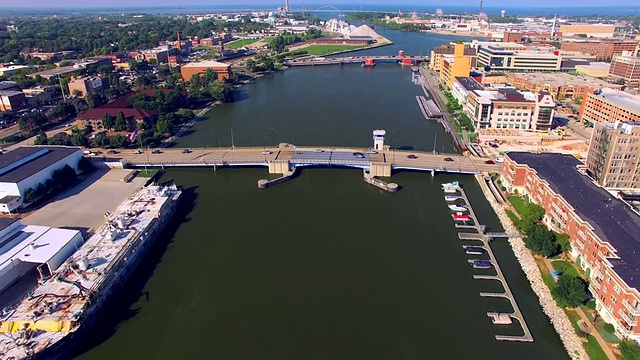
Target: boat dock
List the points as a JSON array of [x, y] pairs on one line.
[[481, 235]]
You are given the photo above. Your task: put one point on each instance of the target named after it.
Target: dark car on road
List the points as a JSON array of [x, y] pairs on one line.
[[412, 156], [490, 162], [448, 159], [156, 151]]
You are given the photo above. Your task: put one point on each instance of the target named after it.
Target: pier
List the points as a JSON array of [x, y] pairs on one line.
[[485, 238]]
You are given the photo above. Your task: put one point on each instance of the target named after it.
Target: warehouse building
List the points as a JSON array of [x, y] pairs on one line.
[[26, 167]]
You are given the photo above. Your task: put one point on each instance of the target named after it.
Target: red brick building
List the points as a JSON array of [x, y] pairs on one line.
[[604, 232]]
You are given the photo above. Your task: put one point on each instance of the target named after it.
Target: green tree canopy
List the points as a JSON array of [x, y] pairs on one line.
[[541, 241], [629, 350], [570, 291]]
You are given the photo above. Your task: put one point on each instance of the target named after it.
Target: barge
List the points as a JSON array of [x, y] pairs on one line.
[[59, 312]]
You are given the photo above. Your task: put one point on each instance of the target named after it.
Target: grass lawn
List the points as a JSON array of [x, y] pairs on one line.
[[240, 43], [607, 336], [147, 173], [592, 347], [328, 49], [517, 203], [514, 218], [202, 47], [565, 267]]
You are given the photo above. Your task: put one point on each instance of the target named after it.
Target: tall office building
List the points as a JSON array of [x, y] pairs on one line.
[[614, 153]]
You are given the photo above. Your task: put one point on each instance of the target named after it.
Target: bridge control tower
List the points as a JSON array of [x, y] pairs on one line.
[[378, 139]]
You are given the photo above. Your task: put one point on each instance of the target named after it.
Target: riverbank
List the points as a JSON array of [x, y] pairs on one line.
[[558, 317]]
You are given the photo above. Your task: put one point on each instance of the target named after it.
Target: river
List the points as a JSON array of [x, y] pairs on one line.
[[324, 266]]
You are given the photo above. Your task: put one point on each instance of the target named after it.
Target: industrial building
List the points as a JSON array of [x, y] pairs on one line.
[[625, 67], [26, 167], [560, 85], [604, 232], [588, 30], [188, 70], [12, 100], [609, 106], [602, 49], [614, 155], [32, 249]]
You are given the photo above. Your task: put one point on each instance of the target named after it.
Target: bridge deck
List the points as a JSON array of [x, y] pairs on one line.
[[304, 156]]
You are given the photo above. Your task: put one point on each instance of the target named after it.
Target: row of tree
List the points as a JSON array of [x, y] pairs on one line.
[[60, 179], [208, 86]]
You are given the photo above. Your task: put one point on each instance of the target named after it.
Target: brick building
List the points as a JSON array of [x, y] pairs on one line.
[[188, 70], [609, 106], [560, 85], [603, 231], [88, 85], [614, 155], [602, 49], [12, 100], [625, 67]]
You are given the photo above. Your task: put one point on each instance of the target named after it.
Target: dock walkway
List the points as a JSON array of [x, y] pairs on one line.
[[481, 236]]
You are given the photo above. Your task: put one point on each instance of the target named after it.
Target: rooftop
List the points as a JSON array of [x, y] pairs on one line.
[[21, 163], [612, 220], [469, 83], [507, 94], [207, 63], [561, 79], [620, 99]]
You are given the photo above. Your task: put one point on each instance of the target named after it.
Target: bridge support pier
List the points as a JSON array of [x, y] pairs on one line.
[[433, 173], [380, 169]]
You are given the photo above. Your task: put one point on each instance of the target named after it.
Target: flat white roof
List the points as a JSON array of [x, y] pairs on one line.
[[621, 99], [46, 246], [208, 63], [21, 239]]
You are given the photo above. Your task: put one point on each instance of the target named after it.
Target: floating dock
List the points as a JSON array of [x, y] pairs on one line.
[[390, 187], [481, 235]]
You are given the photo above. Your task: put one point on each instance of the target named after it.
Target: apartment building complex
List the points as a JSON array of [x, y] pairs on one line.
[[625, 67], [456, 65], [560, 85], [604, 232], [509, 108], [438, 53], [614, 153], [609, 106]]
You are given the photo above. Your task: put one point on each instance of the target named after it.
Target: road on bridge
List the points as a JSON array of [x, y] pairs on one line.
[[357, 157]]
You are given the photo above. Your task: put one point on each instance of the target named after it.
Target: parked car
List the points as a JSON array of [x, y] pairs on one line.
[[499, 159], [138, 152], [448, 159], [318, 150], [156, 151], [490, 162], [412, 156], [267, 153], [111, 152], [186, 151]]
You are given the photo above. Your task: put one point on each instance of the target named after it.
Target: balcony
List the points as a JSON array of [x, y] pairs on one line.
[[633, 311], [631, 321]]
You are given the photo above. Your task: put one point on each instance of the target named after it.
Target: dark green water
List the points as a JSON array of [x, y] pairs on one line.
[[324, 266]]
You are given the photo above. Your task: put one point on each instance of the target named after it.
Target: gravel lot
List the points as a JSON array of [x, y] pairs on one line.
[[83, 206]]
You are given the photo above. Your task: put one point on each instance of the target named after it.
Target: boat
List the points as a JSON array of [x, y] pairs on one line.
[[62, 309], [500, 318], [450, 190], [458, 208], [474, 250], [454, 184], [450, 198], [458, 217], [481, 264]]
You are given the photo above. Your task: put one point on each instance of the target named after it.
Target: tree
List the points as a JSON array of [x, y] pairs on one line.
[[562, 240], [101, 140], [29, 196], [570, 291], [41, 139], [540, 240], [96, 100], [251, 65], [534, 212], [209, 76], [120, 122], [162, 126], [78, 138], [629, 350], [218, 90], [268, 64], [108, 121], [105, 69], [65, 110], [118, 141]]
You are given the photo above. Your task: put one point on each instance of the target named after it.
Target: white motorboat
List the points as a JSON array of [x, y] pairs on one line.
[[459, 208], [450, 198]]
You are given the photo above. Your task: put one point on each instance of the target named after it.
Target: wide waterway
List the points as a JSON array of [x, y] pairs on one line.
[[324, 266]]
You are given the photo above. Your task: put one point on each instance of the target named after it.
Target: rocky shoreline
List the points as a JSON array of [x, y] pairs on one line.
[[559, 319]]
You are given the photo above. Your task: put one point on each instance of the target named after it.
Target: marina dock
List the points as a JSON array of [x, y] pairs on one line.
[[485, 238]]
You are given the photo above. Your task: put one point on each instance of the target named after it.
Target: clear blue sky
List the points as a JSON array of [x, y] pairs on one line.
[[308, 3]]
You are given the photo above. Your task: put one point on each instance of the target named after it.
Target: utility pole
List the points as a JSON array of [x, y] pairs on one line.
[[233, 146], [435, 141]]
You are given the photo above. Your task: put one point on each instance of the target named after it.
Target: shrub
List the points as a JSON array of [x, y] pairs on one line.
[[570, 291], [609, 328]]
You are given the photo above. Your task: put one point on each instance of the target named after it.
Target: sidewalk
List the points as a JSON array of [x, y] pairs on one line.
[[592, 329]]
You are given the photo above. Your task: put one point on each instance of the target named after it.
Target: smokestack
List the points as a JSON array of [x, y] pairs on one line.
[[286, 5], [480, 14]]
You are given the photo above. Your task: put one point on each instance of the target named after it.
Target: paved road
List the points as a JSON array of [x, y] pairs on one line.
[[304, 155]]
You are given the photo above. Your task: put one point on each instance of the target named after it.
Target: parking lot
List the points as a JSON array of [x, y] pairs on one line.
[[83, 206]]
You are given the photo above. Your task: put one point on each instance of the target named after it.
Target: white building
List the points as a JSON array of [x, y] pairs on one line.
[[24, 248], [26, 167]]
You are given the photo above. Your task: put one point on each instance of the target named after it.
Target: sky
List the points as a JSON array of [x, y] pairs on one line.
[[392, 4]]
